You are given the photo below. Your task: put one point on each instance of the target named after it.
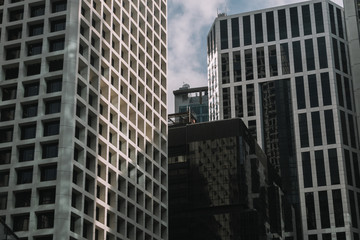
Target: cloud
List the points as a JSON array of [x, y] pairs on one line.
[[189, 22]]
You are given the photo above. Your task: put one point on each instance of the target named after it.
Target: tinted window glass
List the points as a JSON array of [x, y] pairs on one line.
[[300, 93], [314, 102], [306, 164], [282, 24], [309, 51], [320, 168], [294, 22], [329, 125], [323, 60], [325, 87], [284, 51], [297, 56], [310, 210], [319, 21], [332, 19], [247, 30], [258, 28], [306, 19], [324, 209], [260, 58], [334, 168], [336, 54], [235, 32], [338, 208], [303, 128], [237, 66], [344, 128], [270, 27], [223, 34], [249, 65], [316, 125], [273, 61]]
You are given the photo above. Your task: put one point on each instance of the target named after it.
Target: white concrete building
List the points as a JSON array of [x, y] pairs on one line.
[[286, 72], [83, 119]]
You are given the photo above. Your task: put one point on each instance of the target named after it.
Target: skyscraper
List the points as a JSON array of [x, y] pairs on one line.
[[286, 72], [83, 143]]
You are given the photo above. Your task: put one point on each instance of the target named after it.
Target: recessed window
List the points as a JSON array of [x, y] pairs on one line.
[[57, 44], [8, 93], [50, 150], [47, 196], [33, 69], [58, 25], [3, 201], [7, 114], [48, 173], [30, 110], [24, 176], [34, 49], [6, 134], [58, 6], [51, 128], [15, 15], [12, 53], [45, 220], [54, 85], [22, 199], [36, 29], [21, 222], [11, 73], [26, 153], [37, 10], [14, 33], [28, 131], [56, 65], [31, 89], [4, 178], [52, 106], [5, 156]]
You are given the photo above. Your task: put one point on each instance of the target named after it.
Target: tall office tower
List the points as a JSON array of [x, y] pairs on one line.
[[286, 72], [194, 100], [352, 19], [83, 143]]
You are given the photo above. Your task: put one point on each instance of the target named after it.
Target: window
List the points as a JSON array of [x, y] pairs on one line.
[[273, 61], [47, 196], [29, 110], [235, 32], [21, 222], [57, 44], [339, 90], [247, 30], [51, 128], [282, 24], [237, 66], [250, 99], [31, 89], [306, 19], [226, 103], [249, 65], [26, 153], [54, 85], [4, 178], [36, 29], [297, 56], [316, 127], [49, 150], [303, 128], [33, 69], [319, 21], [320, 168], [15, 15], [307, 174], [322, 52], [37, 10], [48, 173], [56, 65], [270, 26], [294, 19], [339, 18], [22, 199], [7, 114], [5, 156], [3, 201], [338, 208], [34, 49], [314, 101], [12, 53], [6, 134], [224, 34], [24, 176], [53, 106], [300, 92], [329, 125], [260, 59], [58, 6], [309, 52], [284, 58], [258, 28], [14, 33], [8, 93], [45, 220], [225, 68], [11, 73], [324, 209], [28, 131], [334, 168], [344, 129], [310, 210], [58, 25], [343, 51], [336, 53]]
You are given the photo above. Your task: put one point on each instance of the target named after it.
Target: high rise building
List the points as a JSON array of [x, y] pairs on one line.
[[352, 19], [193, 99], [285, 71], [83, 125], [221, 185]]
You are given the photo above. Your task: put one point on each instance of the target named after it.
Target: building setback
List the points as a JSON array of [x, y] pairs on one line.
[[83, 119], [221, 185], [194, 100], [285, 71]]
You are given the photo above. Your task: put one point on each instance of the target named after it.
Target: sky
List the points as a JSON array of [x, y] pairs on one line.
[[189, 22]]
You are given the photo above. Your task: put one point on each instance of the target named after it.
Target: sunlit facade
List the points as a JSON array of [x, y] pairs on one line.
[[286, 72], [83, 129]]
